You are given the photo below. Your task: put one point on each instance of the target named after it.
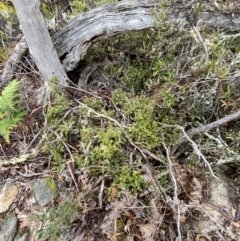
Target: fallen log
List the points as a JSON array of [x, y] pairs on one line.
[[73, 40]]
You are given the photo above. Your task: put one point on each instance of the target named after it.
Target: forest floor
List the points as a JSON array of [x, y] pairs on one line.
[[118, 146]]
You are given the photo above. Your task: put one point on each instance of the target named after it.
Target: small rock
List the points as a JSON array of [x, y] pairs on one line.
[[222, 198], [22, 235], [45, 191], [68, 235], [8, 228], [7, 196]]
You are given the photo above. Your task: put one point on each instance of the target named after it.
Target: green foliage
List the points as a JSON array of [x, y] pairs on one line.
[[132, 65], [135, 76], [105, 151], [8, 29], [130, 180], [144, 129], [55, 220], [80, 6], [48, 10], [60, 130], [4, 52], [103, 2], [10, 112], [6, 11]]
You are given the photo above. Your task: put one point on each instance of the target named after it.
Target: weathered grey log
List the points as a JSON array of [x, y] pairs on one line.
[[75, 38], [39, 41]]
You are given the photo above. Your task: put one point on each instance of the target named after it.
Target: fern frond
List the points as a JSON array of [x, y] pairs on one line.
[[9, 96], [5, 126], [10, 115]]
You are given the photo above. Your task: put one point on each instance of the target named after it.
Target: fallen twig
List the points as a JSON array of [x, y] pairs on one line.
[[176, 200], [222, 121], [194, 145]]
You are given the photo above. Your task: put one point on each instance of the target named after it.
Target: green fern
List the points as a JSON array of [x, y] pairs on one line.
[[10, 113]]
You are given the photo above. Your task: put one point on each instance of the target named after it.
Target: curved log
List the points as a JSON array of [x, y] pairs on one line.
[[73, 40]]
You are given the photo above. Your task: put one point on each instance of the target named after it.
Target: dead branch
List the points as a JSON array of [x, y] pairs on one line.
[[13, 62], [194, 146], [176, 199], [39, 42], [224, 120]]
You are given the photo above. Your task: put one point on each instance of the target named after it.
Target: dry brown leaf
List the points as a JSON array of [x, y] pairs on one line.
[[235, 224], [129, 214], [113, 193], [182, 175], [148, 230]]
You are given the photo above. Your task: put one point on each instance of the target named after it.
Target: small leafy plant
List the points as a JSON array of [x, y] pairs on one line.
[[54, 220], [131, 180], [10, 113]]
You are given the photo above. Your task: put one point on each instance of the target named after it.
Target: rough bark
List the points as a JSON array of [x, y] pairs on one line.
[[75, 38], [39, 41]]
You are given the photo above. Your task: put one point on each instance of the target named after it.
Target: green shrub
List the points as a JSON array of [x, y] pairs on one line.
[[54, 221], [59, 130], [130, 180]]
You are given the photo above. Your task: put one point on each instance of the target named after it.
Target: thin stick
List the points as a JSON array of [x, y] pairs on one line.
[[100, 195], [224, 120], [71, 156], [176, 200], [194, 145]]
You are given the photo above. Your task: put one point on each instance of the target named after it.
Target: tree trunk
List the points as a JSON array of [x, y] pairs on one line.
[[39, 41]]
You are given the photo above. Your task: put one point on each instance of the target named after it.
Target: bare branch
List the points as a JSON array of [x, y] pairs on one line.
[[194, 145], [224, 120], [176, 200], [13, 62]]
